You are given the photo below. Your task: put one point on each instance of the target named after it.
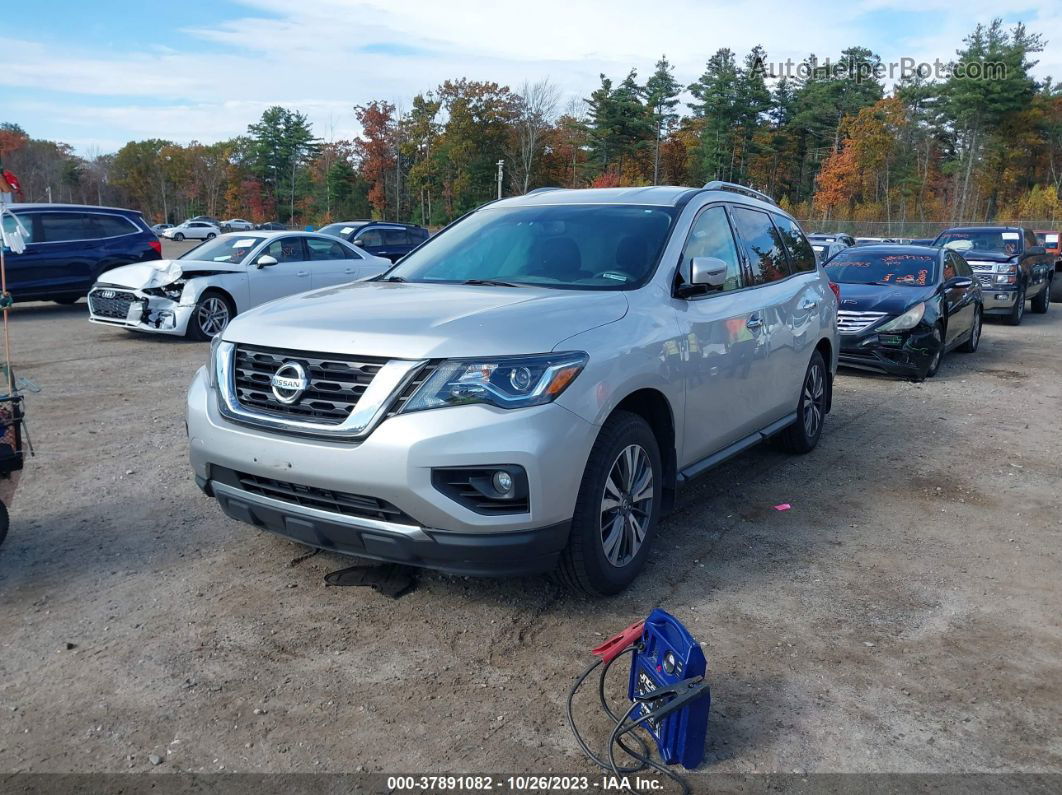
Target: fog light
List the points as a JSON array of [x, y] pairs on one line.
[[502, 482]]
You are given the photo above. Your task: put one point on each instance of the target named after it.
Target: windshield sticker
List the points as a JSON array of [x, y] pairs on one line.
[[244, 243], [346, 230], [1011, 235]]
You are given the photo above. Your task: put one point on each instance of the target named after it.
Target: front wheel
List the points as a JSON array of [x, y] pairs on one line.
[[179, 237], [1042, 302], [617, 508], [1018, 311], [211, 315], [803, 435]]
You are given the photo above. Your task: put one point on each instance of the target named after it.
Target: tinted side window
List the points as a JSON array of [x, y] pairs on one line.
[[25, 225], [801, 255], [396, 237], [287, 249], [962, 266], [324, 249], [950, 269], [370, 238], [57, 227], [763, 245], [711, 236], [419, 235], [1030, 238], [110, 226]]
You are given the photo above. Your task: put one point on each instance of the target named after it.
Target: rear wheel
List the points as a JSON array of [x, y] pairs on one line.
[[211, 235], [803, 435], [1042, 302], [1018, 311], [211, 315], [975, 334], [617, 508]]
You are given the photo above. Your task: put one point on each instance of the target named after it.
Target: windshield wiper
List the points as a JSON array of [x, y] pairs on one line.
[[491, 283]]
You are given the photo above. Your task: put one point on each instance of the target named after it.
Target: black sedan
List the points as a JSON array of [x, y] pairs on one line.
[[903, 307]]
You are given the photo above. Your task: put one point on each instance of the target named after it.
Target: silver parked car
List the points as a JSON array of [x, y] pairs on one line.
[[200, 292], [526, 390]]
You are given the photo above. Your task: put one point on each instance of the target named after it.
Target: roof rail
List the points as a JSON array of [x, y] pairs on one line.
[[718, 184], [542, 190]]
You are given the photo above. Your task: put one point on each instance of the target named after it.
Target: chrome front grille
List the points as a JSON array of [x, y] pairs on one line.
[[849, 322], [986, 279], [336, 383], [108, 302]]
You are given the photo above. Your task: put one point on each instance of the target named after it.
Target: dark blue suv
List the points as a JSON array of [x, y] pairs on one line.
[[68, 246], [380, 238]]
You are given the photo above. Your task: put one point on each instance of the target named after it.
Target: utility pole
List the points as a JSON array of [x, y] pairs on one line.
[[501, 175], [48, 188]]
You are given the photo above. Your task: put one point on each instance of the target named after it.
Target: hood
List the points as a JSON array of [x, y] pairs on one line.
[[882, 298], [426, 321], [160, 272], [987, 256]]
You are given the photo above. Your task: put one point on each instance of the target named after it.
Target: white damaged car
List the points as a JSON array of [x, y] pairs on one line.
[[198, 294]]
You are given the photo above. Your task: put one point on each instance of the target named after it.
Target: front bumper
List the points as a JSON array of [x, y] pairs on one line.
[[906, 353], [395, 463], [155, 314], [998, 301]]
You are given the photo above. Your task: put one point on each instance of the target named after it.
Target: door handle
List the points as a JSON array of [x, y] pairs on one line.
[[754, 322], [303, 273], [350, 270], [808, 305]]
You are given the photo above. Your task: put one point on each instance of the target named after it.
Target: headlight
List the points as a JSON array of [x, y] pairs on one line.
[[172, 291], [509, 382], [212, 362], [909, 319], [1007, 268]]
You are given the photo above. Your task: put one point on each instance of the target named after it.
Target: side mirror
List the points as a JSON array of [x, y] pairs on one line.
[[959, 282], [708, 272], [265, 261], [359, 242]]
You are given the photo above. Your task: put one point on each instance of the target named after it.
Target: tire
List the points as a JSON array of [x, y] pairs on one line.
[[67, 300], [1042, 302], [211, 235], [804, 434], [179, 237], [1018, 312], [604, 553], [5, 522], [975, 333], [213, 312], [934, 363]]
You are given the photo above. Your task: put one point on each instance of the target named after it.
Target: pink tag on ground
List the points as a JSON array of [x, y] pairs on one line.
[[785, 506]]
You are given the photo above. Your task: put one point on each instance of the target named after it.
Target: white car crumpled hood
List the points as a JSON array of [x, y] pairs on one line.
[[159, 273]]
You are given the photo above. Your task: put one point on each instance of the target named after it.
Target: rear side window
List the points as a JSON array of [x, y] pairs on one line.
[[711, 236], [418, 235], [396, 237], [110, 226], [801, 255], [60, 227], [25, 226], [763, 245], [324, 249]]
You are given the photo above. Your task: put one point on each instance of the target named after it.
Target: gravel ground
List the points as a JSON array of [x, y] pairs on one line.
[[903, 616]]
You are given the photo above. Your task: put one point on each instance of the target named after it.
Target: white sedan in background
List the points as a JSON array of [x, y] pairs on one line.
[[198, 294], [237, 225], [194, 230]]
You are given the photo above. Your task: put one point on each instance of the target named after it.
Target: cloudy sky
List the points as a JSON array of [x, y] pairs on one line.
[[97, 73]]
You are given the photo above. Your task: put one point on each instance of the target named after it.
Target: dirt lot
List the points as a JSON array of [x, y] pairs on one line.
[[903, 616]]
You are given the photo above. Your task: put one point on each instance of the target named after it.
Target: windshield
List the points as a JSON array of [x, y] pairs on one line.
[[227, 248], [342, 229], [869, 267], [1047, 239], [981, 241], [576, 247]]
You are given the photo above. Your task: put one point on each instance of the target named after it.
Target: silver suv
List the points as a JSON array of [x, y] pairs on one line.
[[526, 390]]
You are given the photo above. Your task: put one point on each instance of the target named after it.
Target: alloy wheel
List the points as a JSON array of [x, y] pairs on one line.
[[814, 400], [212, 316], [626, 505]]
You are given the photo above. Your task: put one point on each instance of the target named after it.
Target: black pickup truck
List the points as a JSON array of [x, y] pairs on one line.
[[1011, 264]]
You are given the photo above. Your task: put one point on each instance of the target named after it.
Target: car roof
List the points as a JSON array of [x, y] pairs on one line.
[[364, 222], [68, 207], [982, 228], [270, 234], [663, 196], [896, 248]]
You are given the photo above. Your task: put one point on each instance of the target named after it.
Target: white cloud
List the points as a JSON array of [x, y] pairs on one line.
[[312, 55]]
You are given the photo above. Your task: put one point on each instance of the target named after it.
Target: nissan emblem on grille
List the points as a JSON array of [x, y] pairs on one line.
[[289, 382]]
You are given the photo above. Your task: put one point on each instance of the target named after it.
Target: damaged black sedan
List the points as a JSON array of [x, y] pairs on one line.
[[903, 307]]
